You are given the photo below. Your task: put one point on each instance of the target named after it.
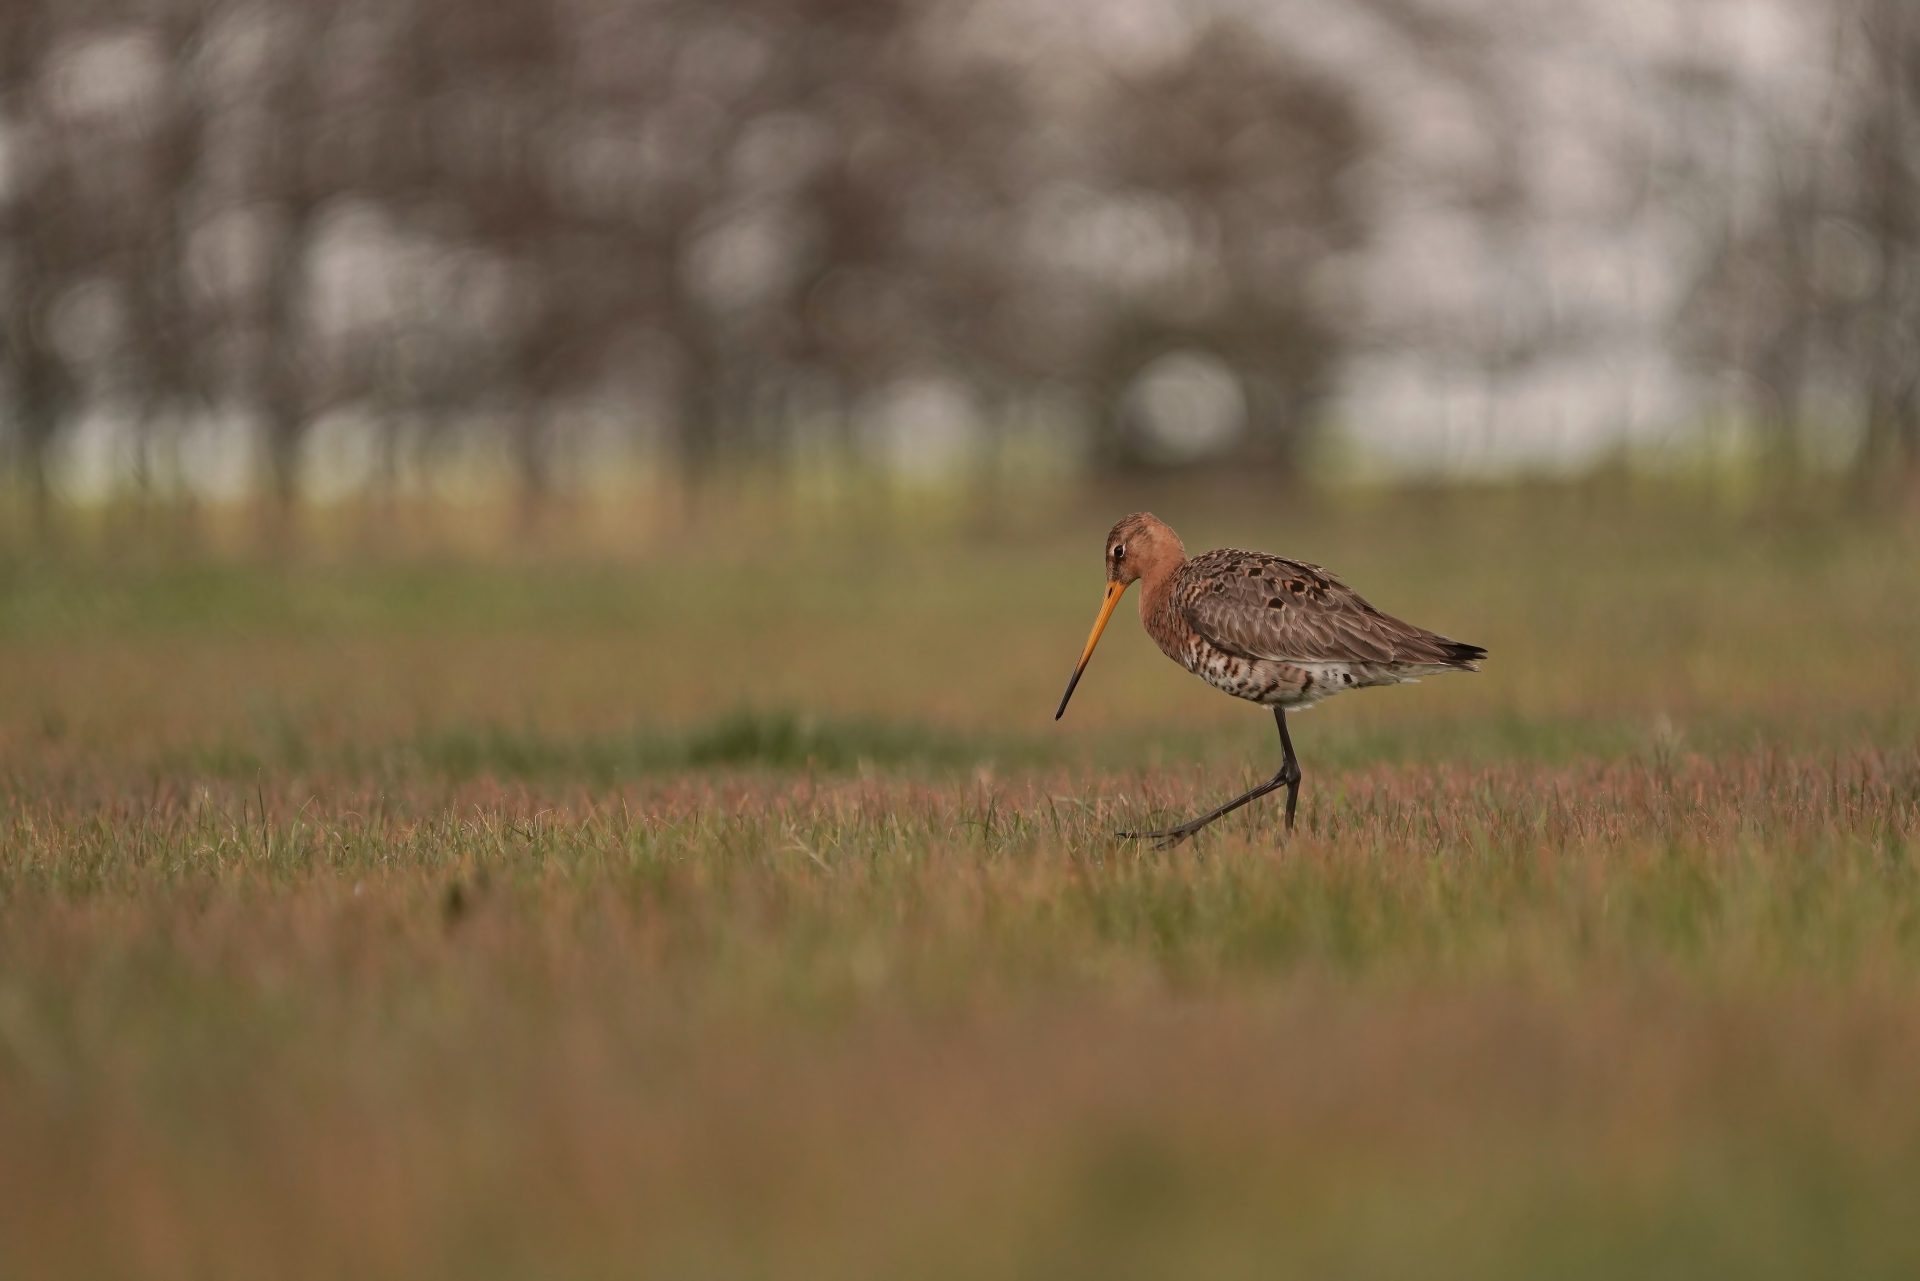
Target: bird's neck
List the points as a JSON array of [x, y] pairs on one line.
[[1156, 585]]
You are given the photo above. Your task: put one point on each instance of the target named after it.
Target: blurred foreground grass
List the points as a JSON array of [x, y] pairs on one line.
[[737, 910]]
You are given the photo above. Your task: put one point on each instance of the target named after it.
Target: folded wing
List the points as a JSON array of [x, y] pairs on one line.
[[1268, 607]]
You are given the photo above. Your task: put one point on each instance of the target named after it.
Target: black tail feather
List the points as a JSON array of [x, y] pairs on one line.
[[1461, 654]]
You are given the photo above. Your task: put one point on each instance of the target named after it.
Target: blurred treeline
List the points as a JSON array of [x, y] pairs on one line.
[[272, 246]]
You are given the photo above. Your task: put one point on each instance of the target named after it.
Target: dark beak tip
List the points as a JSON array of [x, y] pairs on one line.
[[1068, 696]]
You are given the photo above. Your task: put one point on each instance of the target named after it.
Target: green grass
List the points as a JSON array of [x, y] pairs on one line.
[[740, 911]]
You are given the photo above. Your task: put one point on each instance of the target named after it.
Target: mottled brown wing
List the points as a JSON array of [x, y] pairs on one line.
[[1262, 606]]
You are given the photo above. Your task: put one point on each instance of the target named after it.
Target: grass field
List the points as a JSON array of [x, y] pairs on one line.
[[733, 907]]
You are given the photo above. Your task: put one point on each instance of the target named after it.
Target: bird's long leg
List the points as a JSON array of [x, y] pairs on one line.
[[1288, 777], [1290, 767]]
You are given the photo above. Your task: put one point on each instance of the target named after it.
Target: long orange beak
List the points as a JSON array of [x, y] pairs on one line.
[[1114, 592]]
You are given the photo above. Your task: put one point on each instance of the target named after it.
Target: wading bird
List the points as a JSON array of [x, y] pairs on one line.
[[1276, 632]]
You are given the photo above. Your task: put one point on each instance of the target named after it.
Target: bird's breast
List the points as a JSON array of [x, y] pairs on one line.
[[1258, 680]]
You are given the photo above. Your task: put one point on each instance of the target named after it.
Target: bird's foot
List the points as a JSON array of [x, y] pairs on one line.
[[1163, 838]]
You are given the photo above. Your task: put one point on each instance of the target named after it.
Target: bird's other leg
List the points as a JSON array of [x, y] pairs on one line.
[[1288, 777]]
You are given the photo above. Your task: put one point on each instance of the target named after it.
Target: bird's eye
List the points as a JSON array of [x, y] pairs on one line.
[[1119, 553]]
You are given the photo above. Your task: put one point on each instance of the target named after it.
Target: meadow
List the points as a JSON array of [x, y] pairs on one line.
[[727, 904]]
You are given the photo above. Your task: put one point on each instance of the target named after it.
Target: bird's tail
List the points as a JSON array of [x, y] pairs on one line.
[[1462, 655]]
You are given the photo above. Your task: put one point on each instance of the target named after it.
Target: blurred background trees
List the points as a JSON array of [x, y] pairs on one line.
[[285, 249]]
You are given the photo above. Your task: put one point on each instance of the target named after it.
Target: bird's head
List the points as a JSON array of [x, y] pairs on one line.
[[1139, 546]]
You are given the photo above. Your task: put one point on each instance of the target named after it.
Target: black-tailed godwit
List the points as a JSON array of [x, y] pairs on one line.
[[1281, 633]]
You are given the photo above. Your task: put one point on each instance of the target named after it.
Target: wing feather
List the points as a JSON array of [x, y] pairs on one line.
[[1268, 607]]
